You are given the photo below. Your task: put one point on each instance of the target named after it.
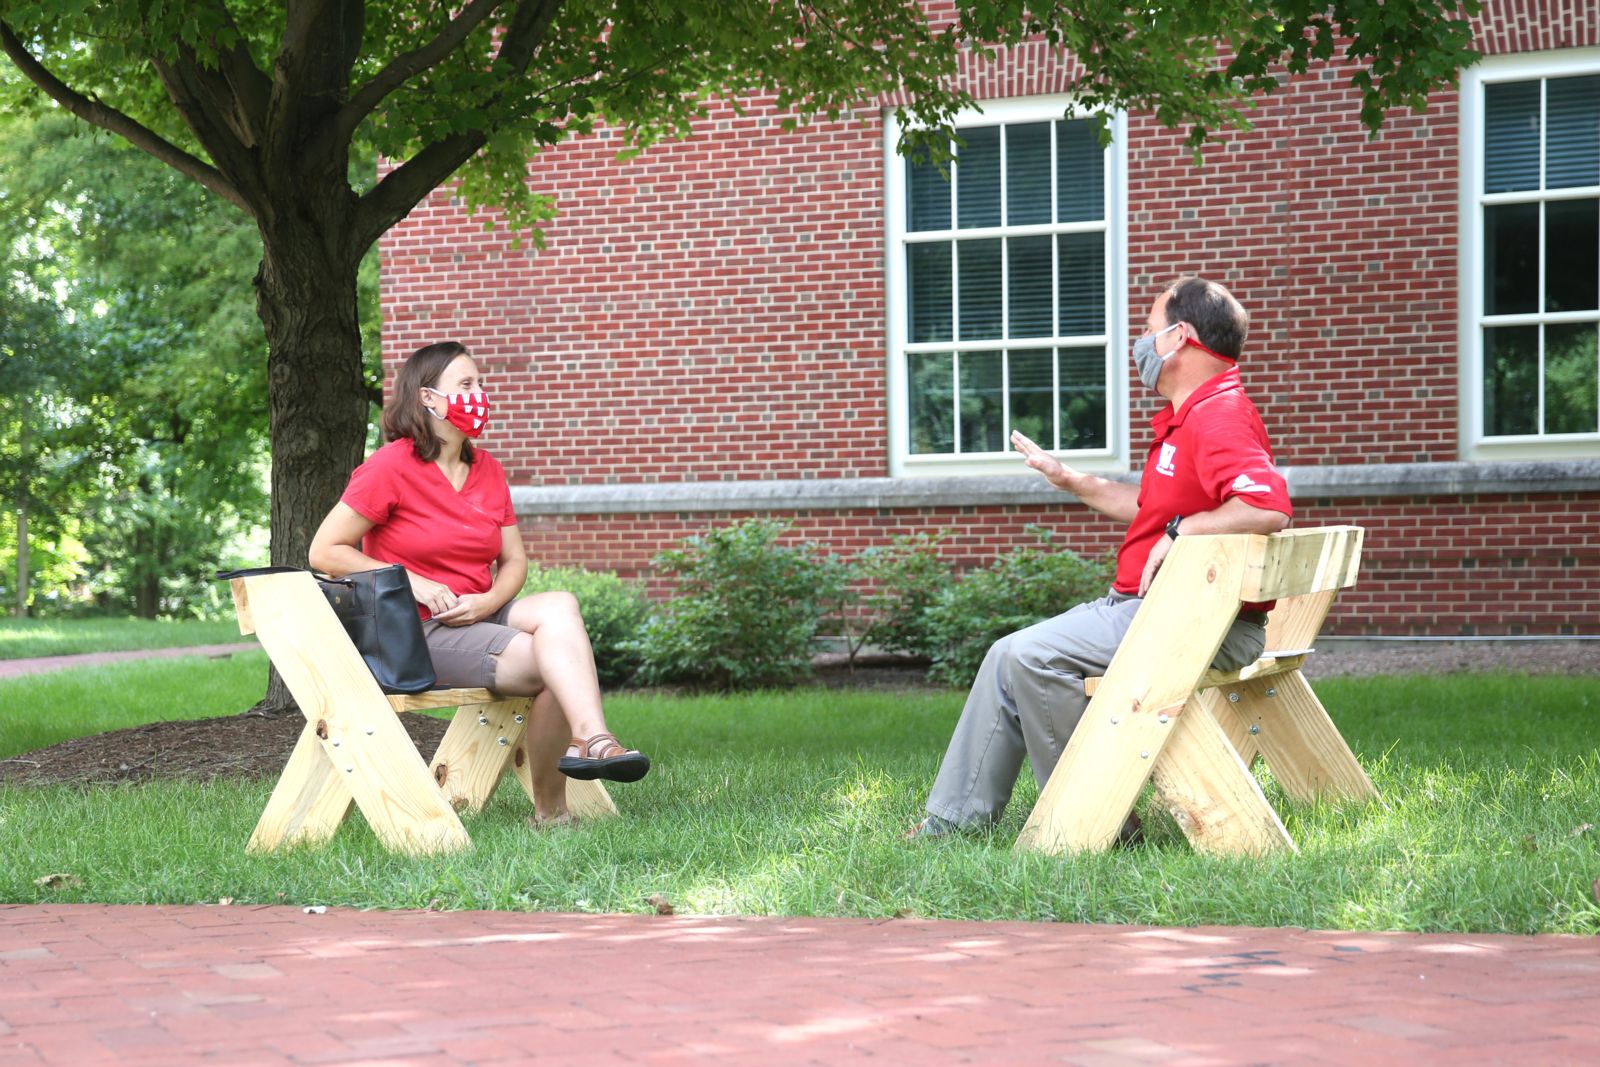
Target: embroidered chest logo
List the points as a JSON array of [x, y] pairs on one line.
[[1166, 460]]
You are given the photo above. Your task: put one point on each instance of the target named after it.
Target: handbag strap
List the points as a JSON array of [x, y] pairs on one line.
[[251, 572]]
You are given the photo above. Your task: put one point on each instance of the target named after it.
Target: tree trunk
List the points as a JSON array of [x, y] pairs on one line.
[[25, 442], [22, 556], [317, 398]]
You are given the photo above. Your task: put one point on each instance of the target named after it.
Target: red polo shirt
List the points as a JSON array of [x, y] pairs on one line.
[[423, 523], [1210, 450]]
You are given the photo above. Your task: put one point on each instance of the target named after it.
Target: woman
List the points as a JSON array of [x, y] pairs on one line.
[[430, 501]]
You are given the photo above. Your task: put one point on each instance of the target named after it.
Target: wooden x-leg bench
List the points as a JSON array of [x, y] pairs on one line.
[[353, 746], [1161, 715]]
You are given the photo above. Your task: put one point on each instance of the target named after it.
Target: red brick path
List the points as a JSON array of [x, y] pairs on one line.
[[12, 668], [90, 984]]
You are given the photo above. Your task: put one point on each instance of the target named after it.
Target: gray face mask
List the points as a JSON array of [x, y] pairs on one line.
[[1147, 360]]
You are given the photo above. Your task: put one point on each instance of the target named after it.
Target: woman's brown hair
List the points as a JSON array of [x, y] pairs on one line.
[[404, 415]]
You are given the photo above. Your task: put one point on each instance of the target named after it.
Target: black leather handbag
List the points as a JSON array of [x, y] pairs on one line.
[[379, 613]]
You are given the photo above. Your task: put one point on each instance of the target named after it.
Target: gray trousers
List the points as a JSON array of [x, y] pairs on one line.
[[1028, 697]]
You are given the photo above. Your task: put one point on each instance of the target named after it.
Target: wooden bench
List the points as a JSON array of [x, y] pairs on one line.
[[1160, 713], [353, 746]]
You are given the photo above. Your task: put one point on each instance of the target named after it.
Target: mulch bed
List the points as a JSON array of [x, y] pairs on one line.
[[233, 746]]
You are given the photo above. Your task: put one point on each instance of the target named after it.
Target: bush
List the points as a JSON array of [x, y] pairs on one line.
[[1022, 587], [745, 611], [613, 611], [907, 576]]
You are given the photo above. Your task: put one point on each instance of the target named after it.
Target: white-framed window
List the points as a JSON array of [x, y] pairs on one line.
[[1006, 281], [1531, 256]]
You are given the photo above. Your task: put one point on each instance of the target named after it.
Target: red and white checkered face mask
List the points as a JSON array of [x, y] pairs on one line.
[[467, 412]]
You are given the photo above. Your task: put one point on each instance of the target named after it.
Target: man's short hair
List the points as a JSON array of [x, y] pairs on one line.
[[1216, 316]]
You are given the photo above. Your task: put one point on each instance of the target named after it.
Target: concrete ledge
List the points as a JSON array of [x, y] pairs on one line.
[[845, 494]]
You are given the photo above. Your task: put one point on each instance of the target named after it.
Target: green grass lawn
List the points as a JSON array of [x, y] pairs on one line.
[[27, 638], [792, 803], [38, 710]]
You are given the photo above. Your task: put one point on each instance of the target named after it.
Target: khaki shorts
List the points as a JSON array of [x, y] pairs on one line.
[[465, 657]]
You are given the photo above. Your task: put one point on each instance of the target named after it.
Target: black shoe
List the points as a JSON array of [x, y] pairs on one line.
[[1132, 832], [618, 765]]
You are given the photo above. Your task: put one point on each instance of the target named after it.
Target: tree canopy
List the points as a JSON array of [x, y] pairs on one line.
[[267, 104]]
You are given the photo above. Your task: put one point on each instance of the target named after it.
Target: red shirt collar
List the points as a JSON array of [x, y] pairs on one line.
[[1167, 419]]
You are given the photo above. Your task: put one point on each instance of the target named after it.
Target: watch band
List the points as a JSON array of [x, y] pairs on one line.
[[1172, 526]]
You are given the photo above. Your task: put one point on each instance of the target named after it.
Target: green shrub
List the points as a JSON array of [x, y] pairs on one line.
[[907, 576], [614, 611], [745, 611], [1026, 585]]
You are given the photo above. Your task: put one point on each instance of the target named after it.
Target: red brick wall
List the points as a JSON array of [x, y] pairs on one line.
[[714, 310]]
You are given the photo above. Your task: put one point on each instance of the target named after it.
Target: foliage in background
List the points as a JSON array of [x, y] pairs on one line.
[[745, 609], [1026, 585], [141, 365], [906, 577], [149, 378], [614, 610]]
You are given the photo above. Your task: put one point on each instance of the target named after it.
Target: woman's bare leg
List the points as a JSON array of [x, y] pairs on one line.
[[546, 740], [553, 655]]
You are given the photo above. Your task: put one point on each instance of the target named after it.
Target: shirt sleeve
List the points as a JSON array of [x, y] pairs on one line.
[[371, 491], [1234, 461]]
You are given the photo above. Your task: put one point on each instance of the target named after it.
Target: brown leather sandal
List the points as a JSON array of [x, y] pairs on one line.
[[602, 756]]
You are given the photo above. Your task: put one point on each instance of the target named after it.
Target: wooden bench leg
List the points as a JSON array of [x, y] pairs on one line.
[[1207, 788], [477, 749], [309, 801], [472, 759], [352, 728], [1236, 729], [1300, 743]]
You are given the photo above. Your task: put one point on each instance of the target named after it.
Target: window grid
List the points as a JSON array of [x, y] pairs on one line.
[[1541, 196], [1006, 344]]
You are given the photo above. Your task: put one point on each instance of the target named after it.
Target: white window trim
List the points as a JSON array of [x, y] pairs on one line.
[[992, 112], [1474, 446]]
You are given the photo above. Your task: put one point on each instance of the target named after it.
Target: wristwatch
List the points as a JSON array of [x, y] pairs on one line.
[[1172, 526]]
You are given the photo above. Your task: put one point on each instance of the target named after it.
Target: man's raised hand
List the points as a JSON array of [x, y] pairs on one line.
[[1055, 472]]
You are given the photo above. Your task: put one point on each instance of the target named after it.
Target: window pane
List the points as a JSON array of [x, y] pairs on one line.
[[928, 291], [1030, 281], [982, 427], [1080, 172], [1572, 255], [931, 379], [928, 197], [978, 177], [1083, 397], [1083, 283], [1572, 150], [1572, 378], [1511, 259], [1033, 395], [1510, 380], [979, 263], [1028, 174], [1511, 137]]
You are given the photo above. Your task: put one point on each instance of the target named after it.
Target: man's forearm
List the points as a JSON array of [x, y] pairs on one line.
[[1234, 516], [1118, 500]]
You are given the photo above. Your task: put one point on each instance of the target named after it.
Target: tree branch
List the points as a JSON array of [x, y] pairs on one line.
[[311, 72], [109, 118], [405, 186], [204, 100], [403, 67], [250, 88]]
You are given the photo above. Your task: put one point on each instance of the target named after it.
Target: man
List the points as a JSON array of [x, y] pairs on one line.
[[1209, 471]]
